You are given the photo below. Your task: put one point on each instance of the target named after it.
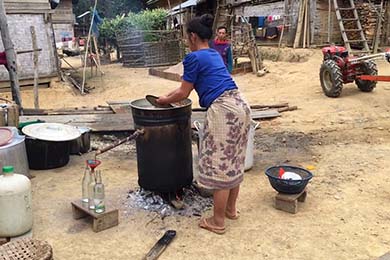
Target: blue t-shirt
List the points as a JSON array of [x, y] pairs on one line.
[[206, 70]]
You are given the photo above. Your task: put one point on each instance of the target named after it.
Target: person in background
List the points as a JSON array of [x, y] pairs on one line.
[[223, 47], [226, 125]]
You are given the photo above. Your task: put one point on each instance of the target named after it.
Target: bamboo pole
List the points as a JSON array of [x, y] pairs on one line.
[[329, 13], [97, 60], [308, 37], [11, 56], [87, 47], [305, 25], [299, 25], [35, 47]]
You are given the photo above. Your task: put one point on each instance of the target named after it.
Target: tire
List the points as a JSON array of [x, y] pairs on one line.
[[331, 78], [368, 68]]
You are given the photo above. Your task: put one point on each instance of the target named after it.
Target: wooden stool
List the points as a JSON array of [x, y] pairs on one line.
[[101, 221], [289, 202]]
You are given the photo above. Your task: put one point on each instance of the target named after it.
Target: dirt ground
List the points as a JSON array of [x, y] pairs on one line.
[[346, 140]]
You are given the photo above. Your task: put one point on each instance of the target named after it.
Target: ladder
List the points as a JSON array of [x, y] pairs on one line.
[[223, 15], [358, 28]]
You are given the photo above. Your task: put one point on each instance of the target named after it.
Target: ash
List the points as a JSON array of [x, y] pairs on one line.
[[194, 203]]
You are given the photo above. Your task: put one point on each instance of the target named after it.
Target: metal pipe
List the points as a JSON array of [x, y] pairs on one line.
[[131, 137], [369, 57]]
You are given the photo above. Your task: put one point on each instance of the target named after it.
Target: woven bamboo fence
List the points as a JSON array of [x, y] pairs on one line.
[[150, 48]]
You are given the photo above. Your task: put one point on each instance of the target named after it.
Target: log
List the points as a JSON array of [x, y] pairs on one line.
[[284, 109]]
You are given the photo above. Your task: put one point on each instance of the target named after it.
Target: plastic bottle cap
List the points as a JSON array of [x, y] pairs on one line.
[[8, 169]]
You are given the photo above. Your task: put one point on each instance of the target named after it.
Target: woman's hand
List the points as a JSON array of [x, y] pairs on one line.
[[162, 100], [177, 95]]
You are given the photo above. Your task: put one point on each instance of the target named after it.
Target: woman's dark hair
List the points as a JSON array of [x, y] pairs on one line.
[[202, 26]]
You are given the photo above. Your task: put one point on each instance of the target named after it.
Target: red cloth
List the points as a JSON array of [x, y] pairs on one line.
[[216, 41], [3, 58]]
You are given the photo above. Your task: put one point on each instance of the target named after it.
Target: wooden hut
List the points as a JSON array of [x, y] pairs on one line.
[[21, 15], [63, 21], [322, 22]]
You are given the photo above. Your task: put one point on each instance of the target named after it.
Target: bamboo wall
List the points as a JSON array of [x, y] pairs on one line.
[[21, 15]]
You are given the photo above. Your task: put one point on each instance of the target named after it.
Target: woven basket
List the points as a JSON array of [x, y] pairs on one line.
[[26, 249]]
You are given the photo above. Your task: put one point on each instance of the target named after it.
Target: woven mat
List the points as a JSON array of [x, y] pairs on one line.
[[26, 249]]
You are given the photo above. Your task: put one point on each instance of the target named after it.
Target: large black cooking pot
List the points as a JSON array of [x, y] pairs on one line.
[[48, 144], [43, 155], [164, 154]]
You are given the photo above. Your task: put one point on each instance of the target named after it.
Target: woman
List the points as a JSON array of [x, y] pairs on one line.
[[222, 154]]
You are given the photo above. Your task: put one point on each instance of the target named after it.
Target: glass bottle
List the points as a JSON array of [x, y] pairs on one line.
[[99, 194], [91, 185], [85, 183]]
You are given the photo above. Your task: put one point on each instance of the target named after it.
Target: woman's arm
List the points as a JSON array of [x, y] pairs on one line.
[[178, 94]]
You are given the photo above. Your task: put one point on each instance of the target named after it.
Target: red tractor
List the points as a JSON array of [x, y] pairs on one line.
[[339, 68]]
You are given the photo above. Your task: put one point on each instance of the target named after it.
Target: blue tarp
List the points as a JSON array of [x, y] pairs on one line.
[[97, 20]]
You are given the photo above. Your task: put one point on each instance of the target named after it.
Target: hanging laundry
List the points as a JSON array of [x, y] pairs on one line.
[[262, 20]]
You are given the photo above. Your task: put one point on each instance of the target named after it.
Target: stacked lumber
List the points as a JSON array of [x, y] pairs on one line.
[[369, 19], [69, 111], [117, 116]]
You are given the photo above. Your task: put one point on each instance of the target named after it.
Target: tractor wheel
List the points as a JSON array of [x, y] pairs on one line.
[[368, 68], [331, 78]]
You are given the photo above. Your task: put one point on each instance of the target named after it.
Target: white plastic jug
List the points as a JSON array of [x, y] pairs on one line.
[[249, 148], [15, 204]]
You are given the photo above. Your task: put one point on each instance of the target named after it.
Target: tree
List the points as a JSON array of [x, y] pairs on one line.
[[110, 8]]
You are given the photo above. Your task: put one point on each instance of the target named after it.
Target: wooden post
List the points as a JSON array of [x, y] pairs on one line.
[[87, 47], [329, 13], [305, 24], [308, 37], [11, 56], [35, 48], [378, 29]]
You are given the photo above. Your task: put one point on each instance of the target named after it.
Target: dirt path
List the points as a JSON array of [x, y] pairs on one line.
[[346, 139]]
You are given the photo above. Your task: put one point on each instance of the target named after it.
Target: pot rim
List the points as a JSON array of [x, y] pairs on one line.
[[153, 108]]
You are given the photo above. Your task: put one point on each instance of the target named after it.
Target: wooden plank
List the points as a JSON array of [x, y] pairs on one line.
[[26, 83], [120, 122], [121, 109], [164, 74], [77, 111], [97, 122]]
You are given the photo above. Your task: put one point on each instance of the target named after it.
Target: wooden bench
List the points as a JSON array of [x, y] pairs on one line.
[[101, 221], [289, 202]]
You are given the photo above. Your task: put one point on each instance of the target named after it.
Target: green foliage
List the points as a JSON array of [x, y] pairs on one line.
[[145, 20], [148, 19]]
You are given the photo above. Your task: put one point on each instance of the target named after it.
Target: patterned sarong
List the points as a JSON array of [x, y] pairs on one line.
[[223, 146]]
